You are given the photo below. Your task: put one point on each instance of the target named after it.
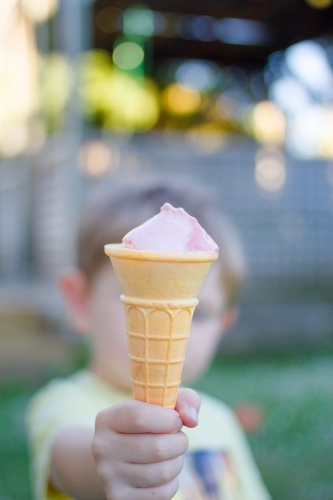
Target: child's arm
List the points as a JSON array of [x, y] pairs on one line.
[[136, 452], [73, 469]]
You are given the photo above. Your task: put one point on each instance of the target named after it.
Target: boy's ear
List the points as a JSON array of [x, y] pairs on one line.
[[74, 289], [229, 319]]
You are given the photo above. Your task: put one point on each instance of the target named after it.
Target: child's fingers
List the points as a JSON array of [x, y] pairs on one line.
[[164, 492], [136, 417], [188, 406], [152, 475], [149, 448]]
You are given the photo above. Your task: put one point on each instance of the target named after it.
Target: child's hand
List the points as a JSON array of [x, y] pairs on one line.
[[138, 447]]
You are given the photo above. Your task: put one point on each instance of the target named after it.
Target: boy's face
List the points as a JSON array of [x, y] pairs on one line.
[[105, 324]]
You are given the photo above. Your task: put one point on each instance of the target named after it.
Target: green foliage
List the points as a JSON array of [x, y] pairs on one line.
[[14, 470], [114, 99]]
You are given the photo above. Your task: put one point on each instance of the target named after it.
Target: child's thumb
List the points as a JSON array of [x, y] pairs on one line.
[[188, 406]]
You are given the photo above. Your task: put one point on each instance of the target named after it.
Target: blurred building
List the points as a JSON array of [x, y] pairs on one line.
[[237, 95]]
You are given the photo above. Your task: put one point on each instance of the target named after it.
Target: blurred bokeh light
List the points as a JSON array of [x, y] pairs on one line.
[[269, 123], [198, 75], [128, 55], [180, 100], [97, 158], [108, 19], [138, 20], [319, 4], [308, 62], [39, 10], [270, 170]]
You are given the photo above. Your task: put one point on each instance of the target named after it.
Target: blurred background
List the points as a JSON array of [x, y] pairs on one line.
[[236, 94]]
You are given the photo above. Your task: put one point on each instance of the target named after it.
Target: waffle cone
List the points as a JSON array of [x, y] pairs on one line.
[[159, 292]]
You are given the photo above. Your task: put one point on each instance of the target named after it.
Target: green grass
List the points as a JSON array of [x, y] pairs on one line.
[[14, 470], [293, 448]]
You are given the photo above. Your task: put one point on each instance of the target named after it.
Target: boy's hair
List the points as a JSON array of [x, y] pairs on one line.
[[114, 210]]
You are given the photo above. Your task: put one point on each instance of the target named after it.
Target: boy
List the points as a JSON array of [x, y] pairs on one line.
[[133, 450]]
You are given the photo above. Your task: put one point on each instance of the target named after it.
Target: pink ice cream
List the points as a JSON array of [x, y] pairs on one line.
[[172, 230]]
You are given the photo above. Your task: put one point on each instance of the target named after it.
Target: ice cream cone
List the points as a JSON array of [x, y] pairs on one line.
[[159, 292]]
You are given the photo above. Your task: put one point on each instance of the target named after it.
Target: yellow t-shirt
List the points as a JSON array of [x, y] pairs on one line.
[[218, 464]]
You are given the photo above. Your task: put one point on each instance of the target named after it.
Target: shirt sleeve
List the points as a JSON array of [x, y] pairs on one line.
[[251, 483], [54, 408]]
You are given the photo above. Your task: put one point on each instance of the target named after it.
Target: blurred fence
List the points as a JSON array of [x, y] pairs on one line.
[[288, 236]]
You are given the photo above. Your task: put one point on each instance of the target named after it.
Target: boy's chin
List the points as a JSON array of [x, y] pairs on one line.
[[121, 382], [190, 376]]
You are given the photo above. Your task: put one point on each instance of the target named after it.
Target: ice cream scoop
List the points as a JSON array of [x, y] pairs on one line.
[[172, 230], [161, 266]]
